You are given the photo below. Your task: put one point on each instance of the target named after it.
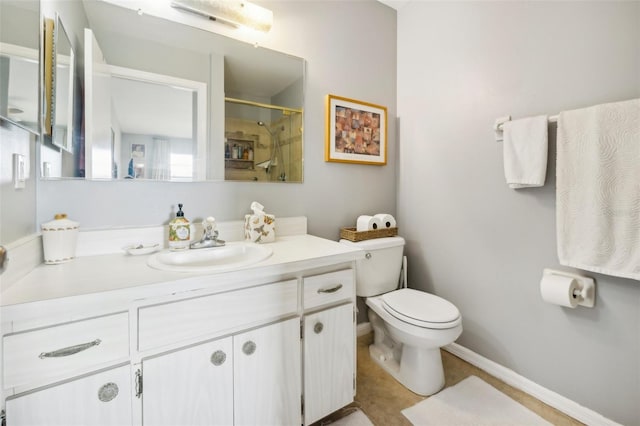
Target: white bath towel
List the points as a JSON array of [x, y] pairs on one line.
[[525, 152], [598, 189]]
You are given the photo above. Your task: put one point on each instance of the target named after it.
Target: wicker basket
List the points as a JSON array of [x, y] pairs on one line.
[[352, 235]]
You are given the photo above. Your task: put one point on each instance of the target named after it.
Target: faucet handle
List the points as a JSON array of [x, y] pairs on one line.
[[209, 227], [209, 223]]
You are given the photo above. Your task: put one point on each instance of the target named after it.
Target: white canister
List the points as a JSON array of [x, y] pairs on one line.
[[59, 238]]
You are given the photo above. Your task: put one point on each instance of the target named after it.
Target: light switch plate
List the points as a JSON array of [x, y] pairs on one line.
[[19, 172]]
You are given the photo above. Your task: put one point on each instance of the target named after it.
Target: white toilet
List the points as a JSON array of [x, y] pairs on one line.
[[409, 325]]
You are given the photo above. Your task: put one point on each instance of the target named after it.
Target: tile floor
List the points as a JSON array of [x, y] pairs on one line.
[[382, 398]]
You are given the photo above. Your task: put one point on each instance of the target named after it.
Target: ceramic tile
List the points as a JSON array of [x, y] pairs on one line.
[[382, 398]]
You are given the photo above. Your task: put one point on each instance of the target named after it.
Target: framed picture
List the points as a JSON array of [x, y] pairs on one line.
[[356, 132]]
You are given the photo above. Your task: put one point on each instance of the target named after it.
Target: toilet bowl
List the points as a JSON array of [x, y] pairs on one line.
[[418, 364], [409, 326]]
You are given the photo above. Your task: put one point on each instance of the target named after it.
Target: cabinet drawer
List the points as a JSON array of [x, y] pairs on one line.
[[209, 315], [56, 352], [328, 288]]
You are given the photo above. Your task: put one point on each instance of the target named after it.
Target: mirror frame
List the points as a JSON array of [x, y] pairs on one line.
[[36, 55], [64, 141]]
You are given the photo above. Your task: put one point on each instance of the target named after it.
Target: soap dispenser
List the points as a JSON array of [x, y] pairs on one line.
[[179, 231]]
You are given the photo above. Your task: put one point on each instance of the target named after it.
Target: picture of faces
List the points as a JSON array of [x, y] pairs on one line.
[[357, 132]]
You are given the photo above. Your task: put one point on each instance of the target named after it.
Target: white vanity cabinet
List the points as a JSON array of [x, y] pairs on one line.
[[267, 375], [103, 398], [251, 378], [191, 386], [271, 345], [329, 343]]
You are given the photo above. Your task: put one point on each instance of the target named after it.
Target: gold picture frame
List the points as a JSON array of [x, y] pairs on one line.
[[49, 77], [356, 131]]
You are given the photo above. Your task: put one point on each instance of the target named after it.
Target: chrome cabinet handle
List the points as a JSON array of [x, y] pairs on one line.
[[70, 350], [138, 383], [218, 358], [249, 348], [318, 328], [108, 392], [330, 290]]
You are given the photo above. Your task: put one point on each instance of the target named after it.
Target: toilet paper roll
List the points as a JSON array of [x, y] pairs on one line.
[[559, 290], [368, 223], [387, 220]]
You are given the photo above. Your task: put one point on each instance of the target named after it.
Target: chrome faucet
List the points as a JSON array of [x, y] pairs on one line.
[[209, 235]]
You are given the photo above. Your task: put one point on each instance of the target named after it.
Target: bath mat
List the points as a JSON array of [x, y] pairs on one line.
[[471, 402], [357, 418]]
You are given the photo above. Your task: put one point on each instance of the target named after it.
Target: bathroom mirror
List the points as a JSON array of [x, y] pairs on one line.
[[181, 64], [19, 63], [62, 90]]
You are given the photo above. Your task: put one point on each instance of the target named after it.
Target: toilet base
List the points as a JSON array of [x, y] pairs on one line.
[[419, 370]]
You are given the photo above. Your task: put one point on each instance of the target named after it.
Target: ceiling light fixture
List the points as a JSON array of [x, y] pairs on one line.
[[236, 13]]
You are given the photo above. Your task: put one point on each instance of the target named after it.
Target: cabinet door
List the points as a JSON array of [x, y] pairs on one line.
[[329, 360], [192, 386], [267, 375], [98, 399]]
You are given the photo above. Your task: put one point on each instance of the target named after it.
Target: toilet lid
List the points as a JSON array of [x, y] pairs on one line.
[[420, 308]]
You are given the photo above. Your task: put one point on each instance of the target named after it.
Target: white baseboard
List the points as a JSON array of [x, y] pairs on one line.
[[545, 395], [363, 328]]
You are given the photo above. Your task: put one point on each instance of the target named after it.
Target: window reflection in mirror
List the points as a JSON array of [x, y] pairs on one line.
[[155, 123], [156, 132], [19, 62]]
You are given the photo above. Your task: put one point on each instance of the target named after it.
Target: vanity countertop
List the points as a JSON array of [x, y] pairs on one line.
[[120, 276]]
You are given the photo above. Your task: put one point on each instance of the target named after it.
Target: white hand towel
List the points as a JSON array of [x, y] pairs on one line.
[[525, 152], [598, 188]]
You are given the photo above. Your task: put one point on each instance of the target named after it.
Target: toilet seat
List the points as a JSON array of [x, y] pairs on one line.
[[421, 309]]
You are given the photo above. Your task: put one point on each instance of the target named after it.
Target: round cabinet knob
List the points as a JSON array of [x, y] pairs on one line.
[[108, 392], [218, 358], [318, 328], [367, 256], [249, 347]]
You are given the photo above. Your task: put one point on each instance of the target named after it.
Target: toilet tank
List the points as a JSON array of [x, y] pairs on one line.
[[380, 272]]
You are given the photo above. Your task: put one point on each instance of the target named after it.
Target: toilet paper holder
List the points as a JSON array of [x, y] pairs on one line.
[[586, 291]]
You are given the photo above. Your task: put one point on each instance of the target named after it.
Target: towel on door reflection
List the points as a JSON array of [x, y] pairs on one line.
[[598, 189], [525, 152]]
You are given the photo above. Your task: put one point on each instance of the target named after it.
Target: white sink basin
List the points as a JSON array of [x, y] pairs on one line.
[[232, 256]]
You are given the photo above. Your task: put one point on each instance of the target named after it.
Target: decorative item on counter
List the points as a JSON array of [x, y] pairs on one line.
[[138, 249], [59, 239], [259, 227], [179, 231]]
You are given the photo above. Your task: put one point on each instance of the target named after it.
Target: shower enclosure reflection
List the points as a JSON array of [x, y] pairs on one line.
[[262, 142]]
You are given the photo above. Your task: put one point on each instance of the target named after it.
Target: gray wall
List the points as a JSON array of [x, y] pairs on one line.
[[18, 213], [346, 55], [476, 242]]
